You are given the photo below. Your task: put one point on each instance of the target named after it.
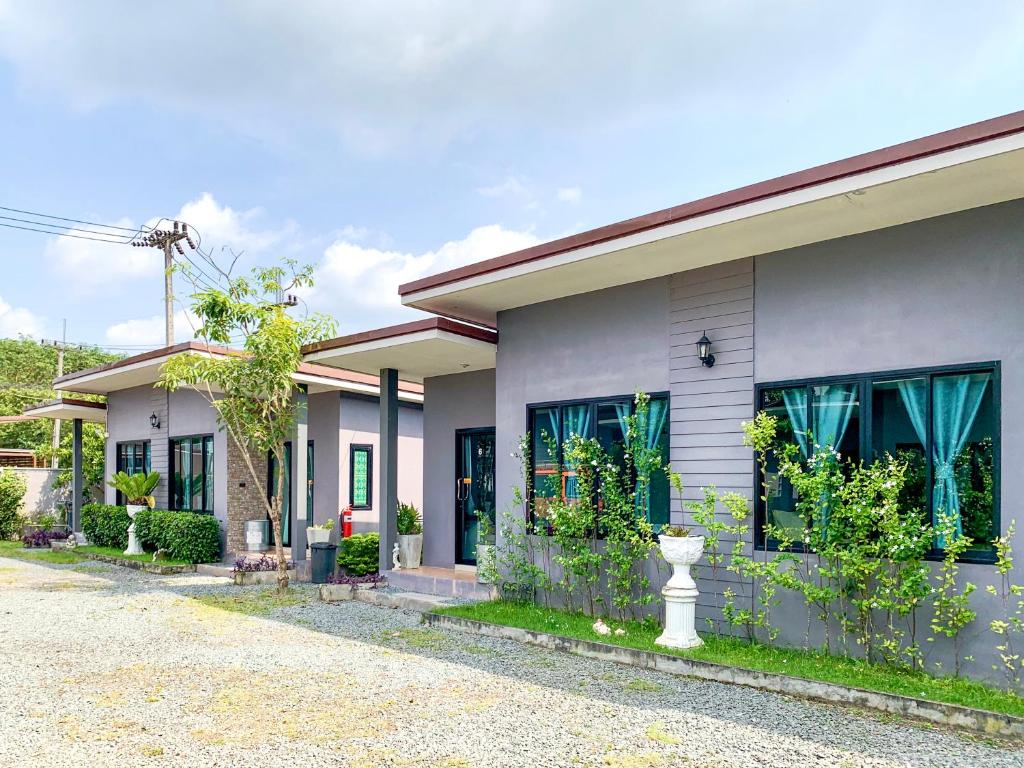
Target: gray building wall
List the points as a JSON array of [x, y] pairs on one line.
[[360, 424], [325, 433], [608, 342], [458, 401]]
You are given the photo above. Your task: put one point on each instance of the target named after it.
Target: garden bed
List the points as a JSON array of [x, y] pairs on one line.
[[958, 703]]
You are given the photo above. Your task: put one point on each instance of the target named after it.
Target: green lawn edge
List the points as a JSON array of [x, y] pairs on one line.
[[735, 652], [19, 551]]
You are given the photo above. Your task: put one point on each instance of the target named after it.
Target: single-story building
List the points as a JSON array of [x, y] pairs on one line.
[[176, 434], [877, 299]]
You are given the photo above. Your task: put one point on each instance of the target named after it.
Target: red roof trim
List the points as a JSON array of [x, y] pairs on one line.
[[956, 138], [406, 329]]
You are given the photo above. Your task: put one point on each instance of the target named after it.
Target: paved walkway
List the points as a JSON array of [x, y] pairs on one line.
[[101, 666]]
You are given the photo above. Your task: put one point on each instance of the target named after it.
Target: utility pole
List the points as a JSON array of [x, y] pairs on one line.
[[166, 240], [60, 346]]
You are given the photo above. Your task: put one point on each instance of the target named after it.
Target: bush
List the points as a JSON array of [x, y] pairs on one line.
[[12, 495], [187, 536], [359, 554], [106, 525]]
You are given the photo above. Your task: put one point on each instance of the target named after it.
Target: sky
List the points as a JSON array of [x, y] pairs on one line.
[[381, 142]]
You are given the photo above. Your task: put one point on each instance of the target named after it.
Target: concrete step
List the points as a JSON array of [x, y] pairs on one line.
[[442, 582]]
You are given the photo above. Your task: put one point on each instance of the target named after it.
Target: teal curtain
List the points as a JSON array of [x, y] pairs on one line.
[[833, 407], [914, 394], [656, 415], [955, 404], [575, 421], [469, 532], [795, 399], [622, 414]]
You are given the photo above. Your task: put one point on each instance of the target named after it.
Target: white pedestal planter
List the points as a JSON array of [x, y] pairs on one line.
[[680, 592], [318, 535], [133, 544], [410, 550]]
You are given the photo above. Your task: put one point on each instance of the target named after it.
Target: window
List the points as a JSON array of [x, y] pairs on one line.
[[942, 422], [360, 476], [132, 458], [192, 473], [551, 425]]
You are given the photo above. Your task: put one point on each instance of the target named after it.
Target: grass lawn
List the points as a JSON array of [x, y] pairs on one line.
[[739, 653], [146, 557], [253, 602], [66, 557]]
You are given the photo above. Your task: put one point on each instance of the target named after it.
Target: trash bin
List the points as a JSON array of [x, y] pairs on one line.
[[257, 535], [324, 556]]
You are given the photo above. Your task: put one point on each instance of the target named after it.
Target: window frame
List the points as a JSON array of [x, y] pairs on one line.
[[208, 490], [147, 462], [352, 449], [592, 402], [865, 393]]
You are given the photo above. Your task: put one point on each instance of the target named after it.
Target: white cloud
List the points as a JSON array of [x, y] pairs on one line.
[[18, 321], [510, 187], [89, 265], [359, 285], [149, 331], [569, 195]]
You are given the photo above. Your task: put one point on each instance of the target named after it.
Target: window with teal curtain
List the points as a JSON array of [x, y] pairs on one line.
[[943, 424], [192, 473], [606, 420]]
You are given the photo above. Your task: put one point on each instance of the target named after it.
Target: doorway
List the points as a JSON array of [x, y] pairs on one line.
[[474, 490]]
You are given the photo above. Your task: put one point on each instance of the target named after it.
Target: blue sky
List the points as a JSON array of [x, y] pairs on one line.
[[385, 141]]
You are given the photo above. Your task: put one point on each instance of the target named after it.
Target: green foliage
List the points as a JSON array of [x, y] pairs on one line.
[[359, 555], [255, 400], [1010, 626], [410, 522], [106, 525], [136, 488], [12, 496], [187, 536]]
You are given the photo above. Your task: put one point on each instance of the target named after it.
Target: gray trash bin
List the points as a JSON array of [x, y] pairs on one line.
[[323, 558]]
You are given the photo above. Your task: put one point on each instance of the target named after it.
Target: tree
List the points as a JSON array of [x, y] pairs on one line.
[[253, 391]]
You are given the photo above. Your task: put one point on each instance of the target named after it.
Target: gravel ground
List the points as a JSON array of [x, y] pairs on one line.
[[103, 666]]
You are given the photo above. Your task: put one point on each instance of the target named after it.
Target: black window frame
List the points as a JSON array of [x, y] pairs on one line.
[[352, 449], [208, 490], [865, 394], [120, 463], [593, 402]]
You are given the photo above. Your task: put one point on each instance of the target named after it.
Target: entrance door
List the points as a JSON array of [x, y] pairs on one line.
[[286, 502], [474, 490]]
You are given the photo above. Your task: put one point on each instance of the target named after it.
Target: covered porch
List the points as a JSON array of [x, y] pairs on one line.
[[458, 438]]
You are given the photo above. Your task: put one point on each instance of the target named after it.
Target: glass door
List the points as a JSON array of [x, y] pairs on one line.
[[286, 502], [474, 491]]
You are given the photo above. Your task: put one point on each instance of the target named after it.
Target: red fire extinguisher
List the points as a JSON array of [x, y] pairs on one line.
[[346, 522]]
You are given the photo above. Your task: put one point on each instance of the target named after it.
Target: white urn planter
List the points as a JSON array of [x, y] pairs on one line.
[[410, 550], [133, 544], [318, 535], [680, 592]]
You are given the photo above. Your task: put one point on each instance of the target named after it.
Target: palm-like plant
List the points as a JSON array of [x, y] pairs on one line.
[[137, 488]]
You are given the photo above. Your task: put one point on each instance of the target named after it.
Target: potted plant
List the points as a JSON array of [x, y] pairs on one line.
[[486, 560], [137, 490], [320, 534], [681, 550], [410, 536]]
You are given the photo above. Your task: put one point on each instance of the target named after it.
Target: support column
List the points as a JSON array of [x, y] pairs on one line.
[[75, 523], [388, 472], [298, 501]]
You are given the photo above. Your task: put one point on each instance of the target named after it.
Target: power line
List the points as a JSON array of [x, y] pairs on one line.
[[65, 233], [64, 218]]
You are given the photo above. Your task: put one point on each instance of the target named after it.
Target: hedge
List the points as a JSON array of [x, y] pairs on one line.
[[188, 536], [359, 554]]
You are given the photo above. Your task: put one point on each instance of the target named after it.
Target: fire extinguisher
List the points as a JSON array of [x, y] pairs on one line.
[[346, 522]]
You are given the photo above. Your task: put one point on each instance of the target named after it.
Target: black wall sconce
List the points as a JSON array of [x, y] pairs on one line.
[[154, 421], [704, 351]]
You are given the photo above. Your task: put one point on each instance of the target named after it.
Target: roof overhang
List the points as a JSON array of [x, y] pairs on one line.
[[145, 370], [432, 347], [957, 170], [66, 409]]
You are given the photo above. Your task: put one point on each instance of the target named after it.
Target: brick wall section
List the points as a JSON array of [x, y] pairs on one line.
[[710, 404], [243, 502]]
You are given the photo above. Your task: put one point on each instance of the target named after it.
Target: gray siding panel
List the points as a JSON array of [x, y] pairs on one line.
[[710, 404]]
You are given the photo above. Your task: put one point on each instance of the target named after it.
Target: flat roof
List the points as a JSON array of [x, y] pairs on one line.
[[434, 346], [144, 368], [907, 162], [68, 408]]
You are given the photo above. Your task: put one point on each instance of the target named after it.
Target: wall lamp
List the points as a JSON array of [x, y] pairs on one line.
[[704, 351], [154, 421]]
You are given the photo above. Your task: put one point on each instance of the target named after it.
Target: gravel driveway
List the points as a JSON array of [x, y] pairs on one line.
[[103, 666]]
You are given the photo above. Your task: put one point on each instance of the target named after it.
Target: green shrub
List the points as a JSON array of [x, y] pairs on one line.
[[106, 525], [188, 536], [358, 554], [409, 521], [12, 495]]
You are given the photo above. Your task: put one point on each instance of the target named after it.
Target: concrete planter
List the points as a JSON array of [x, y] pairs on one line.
[[410, 550], [680, 592], [57, 545], [340, 593], [317, 535], [254, 578], [133, 544]]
